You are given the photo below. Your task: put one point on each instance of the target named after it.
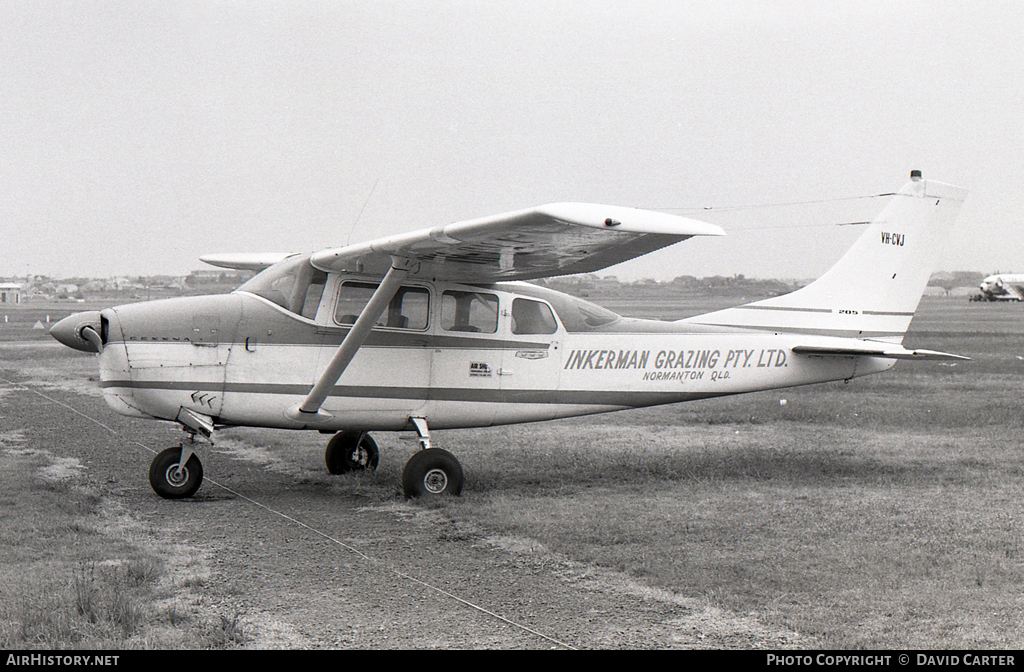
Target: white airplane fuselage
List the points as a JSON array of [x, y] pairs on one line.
[[435, 329], [242, 360]]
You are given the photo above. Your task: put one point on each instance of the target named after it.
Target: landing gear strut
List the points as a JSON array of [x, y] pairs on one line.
[[351, 450]]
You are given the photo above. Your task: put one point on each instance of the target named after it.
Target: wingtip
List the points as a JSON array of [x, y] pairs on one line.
[[632, 220]]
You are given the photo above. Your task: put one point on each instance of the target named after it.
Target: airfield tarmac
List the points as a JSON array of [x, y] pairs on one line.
[[883, 514]]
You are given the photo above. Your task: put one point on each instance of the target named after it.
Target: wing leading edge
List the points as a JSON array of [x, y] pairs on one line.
[[550, 240]]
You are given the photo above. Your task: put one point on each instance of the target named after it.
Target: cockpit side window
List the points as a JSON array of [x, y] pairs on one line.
[[292, 284], [532, 317], [575, 315], [475, 312], [408, 310]]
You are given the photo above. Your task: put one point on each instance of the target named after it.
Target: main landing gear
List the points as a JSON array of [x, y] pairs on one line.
[[430, 473], [351, 450]]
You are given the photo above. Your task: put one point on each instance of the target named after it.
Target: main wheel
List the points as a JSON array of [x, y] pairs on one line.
[[351, 450], [432, 473], [171, 482]]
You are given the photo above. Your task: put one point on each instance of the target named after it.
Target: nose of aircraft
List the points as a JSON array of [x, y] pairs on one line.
[[80, 331]]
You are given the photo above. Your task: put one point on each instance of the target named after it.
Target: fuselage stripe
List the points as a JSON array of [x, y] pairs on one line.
[[622, 399], [841, 333], [784, 308]]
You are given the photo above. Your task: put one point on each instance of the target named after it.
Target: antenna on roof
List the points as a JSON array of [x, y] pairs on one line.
[[359, 216]]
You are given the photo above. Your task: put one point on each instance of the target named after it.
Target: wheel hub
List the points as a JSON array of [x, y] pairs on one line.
[[177, 475], [435, 481]]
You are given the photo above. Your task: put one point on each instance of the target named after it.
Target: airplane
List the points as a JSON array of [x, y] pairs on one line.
[[1002, 287], [440, 329]]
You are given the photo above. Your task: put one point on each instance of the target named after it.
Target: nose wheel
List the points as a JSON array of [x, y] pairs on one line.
[[176, 473]]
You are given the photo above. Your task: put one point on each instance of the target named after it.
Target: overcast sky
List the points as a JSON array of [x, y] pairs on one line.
[[136, 136]]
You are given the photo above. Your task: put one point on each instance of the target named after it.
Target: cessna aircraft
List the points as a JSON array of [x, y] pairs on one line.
[[437, 329], [1002, 287]]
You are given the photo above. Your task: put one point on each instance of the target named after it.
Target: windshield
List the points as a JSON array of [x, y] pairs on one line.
[[292, 284]]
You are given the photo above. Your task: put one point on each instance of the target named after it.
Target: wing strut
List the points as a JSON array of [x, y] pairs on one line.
[[309, 409]]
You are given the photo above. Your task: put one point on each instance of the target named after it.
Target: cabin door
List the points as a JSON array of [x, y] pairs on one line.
[[531, 369]]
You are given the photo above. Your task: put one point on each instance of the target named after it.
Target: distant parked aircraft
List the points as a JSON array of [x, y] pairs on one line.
[[1002, 287]]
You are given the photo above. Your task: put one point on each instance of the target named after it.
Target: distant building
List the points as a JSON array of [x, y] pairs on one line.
[[210, 277], [10, 292]]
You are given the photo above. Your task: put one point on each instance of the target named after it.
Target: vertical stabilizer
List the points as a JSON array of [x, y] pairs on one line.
[[874, 289]]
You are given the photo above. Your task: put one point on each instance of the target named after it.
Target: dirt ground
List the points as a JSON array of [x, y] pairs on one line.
[[300, 563]]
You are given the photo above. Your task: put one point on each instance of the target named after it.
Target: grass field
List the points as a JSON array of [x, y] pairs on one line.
[[883, 513]]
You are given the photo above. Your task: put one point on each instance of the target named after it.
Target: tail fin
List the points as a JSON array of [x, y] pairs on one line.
[[874, 289]]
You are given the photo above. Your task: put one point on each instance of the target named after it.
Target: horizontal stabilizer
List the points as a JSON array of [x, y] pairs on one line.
[[244, 261], [886, 350]]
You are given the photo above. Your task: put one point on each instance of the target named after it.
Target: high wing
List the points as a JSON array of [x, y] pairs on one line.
[[549, 240]]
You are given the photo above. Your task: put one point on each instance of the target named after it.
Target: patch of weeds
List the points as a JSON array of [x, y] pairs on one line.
[[78, 527], [225, 634], [74, 502], [122, 609], [84, 592], [143, 571], [176, 616], [39, 621], [193, 581], [96, 607]]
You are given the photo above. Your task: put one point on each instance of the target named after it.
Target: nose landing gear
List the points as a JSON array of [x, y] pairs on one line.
[[176, 472]]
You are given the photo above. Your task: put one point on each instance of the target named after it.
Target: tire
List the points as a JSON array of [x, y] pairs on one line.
[[170, 483], [351, 450], [432, 473]]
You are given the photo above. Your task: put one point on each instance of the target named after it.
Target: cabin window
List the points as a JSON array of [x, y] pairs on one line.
[[292, 284], [469, 311], [408, 309], [532, 317]]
